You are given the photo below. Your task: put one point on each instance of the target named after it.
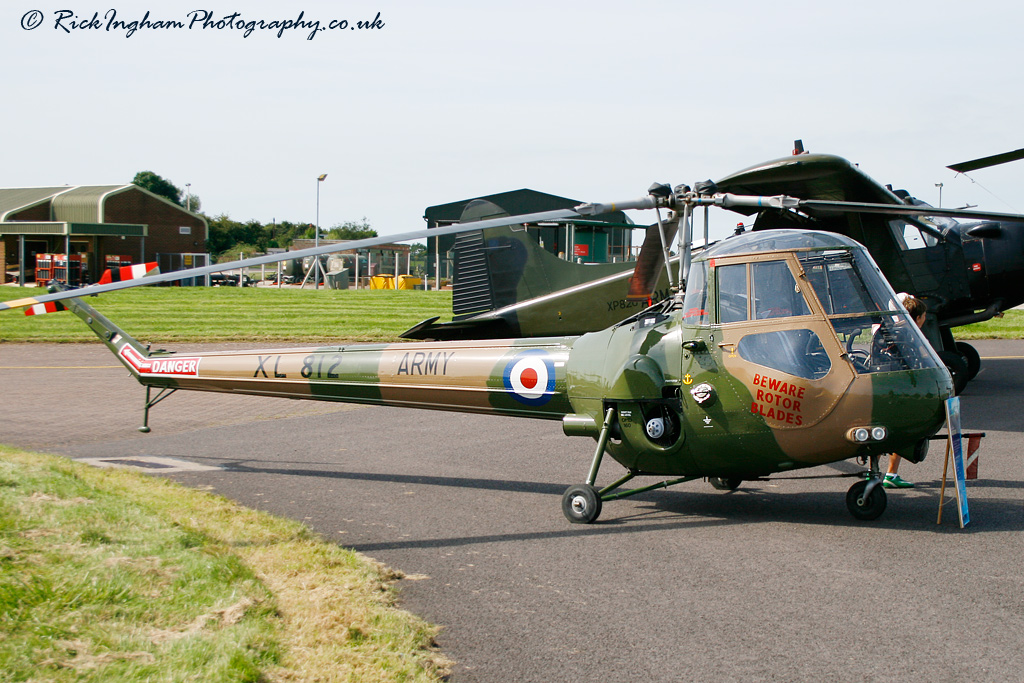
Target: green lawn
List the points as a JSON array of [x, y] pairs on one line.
[[1009, 326], [108, 575], [198, 314]]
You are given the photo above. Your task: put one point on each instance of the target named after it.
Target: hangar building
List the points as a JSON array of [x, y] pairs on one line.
[[97, 221]]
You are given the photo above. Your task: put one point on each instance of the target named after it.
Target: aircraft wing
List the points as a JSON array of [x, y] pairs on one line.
[[807, 176], [825, 185], [985, 162]]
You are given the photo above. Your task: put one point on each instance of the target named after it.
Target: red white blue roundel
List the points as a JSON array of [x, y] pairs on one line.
[[530, 377]]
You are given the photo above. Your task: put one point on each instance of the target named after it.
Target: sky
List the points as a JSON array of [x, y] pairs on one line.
[[435, 102]]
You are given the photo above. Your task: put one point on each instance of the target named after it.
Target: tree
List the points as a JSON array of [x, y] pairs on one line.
[[240, 251], [192, 203], [218, 234], [148, 180], [351, 230]]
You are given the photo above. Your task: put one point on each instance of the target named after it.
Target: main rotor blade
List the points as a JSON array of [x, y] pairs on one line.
[[825, 206], [289, 255], [985, 162]]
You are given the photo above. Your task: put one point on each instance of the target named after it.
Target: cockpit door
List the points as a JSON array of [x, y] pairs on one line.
[[776, 340]]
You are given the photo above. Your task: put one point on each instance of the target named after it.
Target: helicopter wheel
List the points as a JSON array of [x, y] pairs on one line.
[[957, 366], [972, 357], [725, 483], [581, 504], [866, 509]]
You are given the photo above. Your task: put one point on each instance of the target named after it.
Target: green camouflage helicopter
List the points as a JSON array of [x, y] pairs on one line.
[[779, 350]]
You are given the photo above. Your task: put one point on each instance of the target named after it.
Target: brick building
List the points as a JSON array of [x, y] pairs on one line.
[[97, 220]]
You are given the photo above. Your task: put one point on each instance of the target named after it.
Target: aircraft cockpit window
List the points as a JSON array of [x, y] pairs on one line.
[[695, 301], [838, 285], [884, 343], [794, 352], [877, 333], [776, 294], [909, 236], [732, 293]]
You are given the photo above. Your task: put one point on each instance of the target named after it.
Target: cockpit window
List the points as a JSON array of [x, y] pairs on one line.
[[695, 301], [839, 285], [732, 293], [876, 331], [909, 236], [884, 343], [776, 294]]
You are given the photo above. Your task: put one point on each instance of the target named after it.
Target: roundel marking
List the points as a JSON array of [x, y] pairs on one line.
[[530, 377]]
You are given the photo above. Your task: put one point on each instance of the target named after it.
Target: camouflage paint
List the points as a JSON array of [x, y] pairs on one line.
[[647, 368]]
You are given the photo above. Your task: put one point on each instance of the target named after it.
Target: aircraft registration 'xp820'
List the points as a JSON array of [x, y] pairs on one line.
[[778, 350]]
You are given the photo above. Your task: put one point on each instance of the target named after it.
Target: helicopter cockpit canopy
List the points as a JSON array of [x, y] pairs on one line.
[[875, 330]]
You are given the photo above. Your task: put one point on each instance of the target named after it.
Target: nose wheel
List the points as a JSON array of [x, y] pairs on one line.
[[866, 500], [865, 504], [581, 504]]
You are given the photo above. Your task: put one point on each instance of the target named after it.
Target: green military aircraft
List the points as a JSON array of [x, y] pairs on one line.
[[777, 351], [965, 265], [507, 285]]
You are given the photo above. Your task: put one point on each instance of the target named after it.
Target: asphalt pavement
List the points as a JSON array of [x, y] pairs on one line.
[[773, 582]]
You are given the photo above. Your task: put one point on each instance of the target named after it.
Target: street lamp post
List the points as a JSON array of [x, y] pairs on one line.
[[316, 259], [188, 197], [939, 185]]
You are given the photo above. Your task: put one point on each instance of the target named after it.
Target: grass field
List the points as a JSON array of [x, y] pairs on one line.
[[1010, 326], [201, 314], [198, 314], [107, 575]]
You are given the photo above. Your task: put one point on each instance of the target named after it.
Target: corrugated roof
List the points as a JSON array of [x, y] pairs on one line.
[[83, 204], [69, 203], [18, 198]]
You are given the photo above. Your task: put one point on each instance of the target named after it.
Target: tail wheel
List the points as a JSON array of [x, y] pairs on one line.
[[866, 508], [581, 504]]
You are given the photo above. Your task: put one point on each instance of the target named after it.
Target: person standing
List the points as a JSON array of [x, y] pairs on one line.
[[918, 312]]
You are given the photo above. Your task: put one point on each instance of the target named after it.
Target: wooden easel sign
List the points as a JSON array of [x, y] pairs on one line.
[[954, 445]]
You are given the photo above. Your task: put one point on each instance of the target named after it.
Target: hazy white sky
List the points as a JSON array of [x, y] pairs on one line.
[[448, 100]]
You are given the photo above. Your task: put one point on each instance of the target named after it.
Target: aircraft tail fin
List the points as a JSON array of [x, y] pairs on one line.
[[650, 264]]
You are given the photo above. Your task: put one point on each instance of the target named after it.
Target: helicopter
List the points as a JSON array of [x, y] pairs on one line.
[[777, 351], [965, 265]]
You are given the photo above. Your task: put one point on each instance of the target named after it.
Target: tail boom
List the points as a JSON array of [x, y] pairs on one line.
[[499, 378], [506, 377]]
